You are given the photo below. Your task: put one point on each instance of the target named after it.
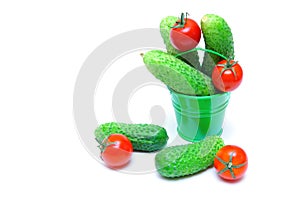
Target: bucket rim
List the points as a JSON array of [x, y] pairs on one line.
[[199, 97]]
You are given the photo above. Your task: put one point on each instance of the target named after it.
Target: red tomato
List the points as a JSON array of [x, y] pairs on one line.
[[116, 150], [231, 162], [227, 75], [185, 34]]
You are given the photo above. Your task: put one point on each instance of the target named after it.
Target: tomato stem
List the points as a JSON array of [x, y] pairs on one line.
[[228, 66], [181, 22], [186, 14], [201, 49], [229, 166], [101, 145], [104, 143]]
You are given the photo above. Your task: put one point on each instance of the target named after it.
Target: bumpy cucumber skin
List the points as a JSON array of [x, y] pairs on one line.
[[217, 37], [191, 58], [178, 75], [144, 137], [183, 160]]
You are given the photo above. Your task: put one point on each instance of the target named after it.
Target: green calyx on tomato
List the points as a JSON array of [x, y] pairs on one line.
[[115, 150], [227, 75], [231, 162], [230, 166], [228, 66], [103, 144], [182, 21], [185, 34]]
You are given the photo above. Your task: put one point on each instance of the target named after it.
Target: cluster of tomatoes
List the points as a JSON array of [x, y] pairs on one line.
[[186, 34], [231, 161]]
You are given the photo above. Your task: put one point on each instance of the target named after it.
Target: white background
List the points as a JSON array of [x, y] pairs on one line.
[[42, 48]]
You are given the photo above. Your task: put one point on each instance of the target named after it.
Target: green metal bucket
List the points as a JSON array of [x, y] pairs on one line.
[[199, 116]]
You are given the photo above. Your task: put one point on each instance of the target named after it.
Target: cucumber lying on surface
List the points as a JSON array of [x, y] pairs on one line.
[[144, 137], [177, 74], [183, 160], [217, 37], [191, 58]]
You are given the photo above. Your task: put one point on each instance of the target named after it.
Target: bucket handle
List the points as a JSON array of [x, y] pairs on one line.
[[201, 49]]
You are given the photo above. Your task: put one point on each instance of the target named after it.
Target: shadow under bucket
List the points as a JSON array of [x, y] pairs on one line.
[[199, 116]]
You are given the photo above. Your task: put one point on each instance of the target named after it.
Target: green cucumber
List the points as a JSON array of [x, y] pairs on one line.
[[177, 74], [144, 137], [183, 160], [217, 37], [191, 58]]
